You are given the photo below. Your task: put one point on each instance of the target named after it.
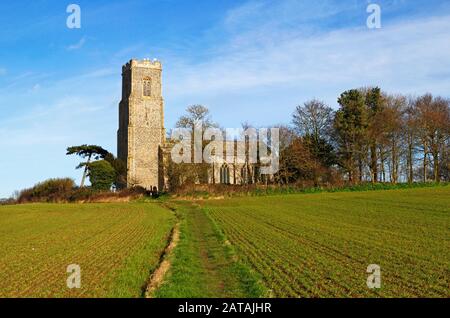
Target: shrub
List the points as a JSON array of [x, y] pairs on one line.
[[206, 191], [51, 190], [81, 194], [134, 191], [102, 175], [7, 201]]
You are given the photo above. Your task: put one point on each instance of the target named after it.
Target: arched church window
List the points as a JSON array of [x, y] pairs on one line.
[[147, 87], [244, 174], [224, 174]]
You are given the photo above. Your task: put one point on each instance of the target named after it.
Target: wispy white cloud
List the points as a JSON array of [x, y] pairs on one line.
[[98, 73], [129, 51], [66, 119], [77, 45], [35, 88], [44, 133], [267, 66], [294, 13], [2, 71], [22, 82], [403, 56]]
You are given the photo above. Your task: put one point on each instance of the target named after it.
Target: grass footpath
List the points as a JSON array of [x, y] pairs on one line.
[[203, 264]]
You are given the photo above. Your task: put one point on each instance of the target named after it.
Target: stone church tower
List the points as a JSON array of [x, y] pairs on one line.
[[141, 134]]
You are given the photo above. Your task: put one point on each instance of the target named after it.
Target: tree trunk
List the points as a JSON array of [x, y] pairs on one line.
[[83, 179], [383, 172], [410, 161], [394, 171], [374, 163], [425, 164], [436, 166], [360, 169]]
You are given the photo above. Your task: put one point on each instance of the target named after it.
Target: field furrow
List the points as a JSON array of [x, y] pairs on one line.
[[320, 245], [116, 246]]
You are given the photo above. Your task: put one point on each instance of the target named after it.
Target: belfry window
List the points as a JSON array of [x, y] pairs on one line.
[[147, 87]]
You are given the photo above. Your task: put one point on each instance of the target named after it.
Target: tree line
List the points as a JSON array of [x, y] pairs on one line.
[[372, 137]]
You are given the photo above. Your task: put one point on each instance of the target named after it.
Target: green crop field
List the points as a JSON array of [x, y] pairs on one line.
[[300, 245], [115, 245], [320, 245]]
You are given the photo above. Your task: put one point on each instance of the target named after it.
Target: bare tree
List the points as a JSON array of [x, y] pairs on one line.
[[375, 102], [196, 114], [410, 138], [287, 137], [194, 172], [439, 129], [314, 118], [432, 123], [394, 132]]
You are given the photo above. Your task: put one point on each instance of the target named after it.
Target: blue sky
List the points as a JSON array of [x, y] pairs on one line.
[[246, 60]]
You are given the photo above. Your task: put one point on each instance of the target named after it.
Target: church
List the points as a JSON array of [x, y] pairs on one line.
[[141, 138]]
